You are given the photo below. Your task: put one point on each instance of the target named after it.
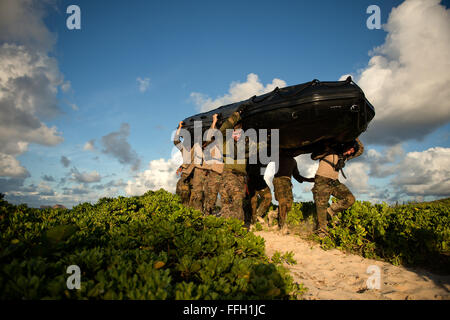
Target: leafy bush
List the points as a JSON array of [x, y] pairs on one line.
[[147, 247], [412, 234]]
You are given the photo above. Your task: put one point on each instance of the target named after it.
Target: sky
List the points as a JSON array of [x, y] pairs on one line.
[[89, 113]]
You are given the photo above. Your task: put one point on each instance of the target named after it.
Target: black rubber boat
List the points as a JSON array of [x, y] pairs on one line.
[[306, 114]]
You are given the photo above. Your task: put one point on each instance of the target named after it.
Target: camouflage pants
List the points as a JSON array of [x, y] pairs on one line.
[[184, 189], [211, 189], [232, 194], [283, 194], [322, 190], [197, 193], [266, 200]]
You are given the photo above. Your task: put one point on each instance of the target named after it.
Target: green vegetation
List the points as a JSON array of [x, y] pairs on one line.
[[287, 257], [411, 234], [147, 247]]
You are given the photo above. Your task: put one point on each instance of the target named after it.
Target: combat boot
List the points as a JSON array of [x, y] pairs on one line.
[[332, 214], [272, 215], [284, 230], [321, 233]]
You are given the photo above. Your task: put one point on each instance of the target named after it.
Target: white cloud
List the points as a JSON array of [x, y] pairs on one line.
[[238, 91], [381, 163], [10, 167], [418, 173], [143, 84], [90, 145], [28, 87], [29, 80], [424, 173], [408, 78], [161, 173], [357, 177]]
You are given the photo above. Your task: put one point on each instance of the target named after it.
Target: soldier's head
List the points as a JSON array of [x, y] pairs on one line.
[[350, 148], [237, 131]]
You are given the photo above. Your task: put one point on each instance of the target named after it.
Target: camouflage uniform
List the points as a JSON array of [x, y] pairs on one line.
[[283, 194], [287, 168], [184, 188], [258, 190], [211, 189], [232, 186], [232, 194], [197, 191], [323, 188]]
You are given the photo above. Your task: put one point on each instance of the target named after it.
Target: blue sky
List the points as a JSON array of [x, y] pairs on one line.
[[185, 47]]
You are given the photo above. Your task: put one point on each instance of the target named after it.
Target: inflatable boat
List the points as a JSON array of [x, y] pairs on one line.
[[306, 115]]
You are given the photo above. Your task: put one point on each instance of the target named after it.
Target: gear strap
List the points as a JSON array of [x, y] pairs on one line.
[[337, 167]]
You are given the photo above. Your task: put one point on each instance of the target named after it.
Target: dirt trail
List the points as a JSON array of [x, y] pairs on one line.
[[337, 275]]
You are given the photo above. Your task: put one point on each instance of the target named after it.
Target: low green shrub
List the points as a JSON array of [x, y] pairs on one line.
[[147, 247]]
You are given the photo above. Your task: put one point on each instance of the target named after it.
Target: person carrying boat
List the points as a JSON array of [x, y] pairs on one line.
[[203, 172], [234, 176], [332, 160], [287, 168], [183, 188], [259, 193], [214, 165]]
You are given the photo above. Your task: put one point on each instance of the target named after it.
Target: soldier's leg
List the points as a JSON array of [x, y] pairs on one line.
[[266, 201], [232, 195], [197, 195], [321, 193], [283, 194], [253, 204], [344, 196], [211, 190], [183, 189]]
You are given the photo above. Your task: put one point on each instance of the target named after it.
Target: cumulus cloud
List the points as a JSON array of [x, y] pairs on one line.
[[238, 91], [10, 167], [143, 83], [90, 145], [28, 86], [23, 21], [425, 173], [29, 81], [85, 177], [411, 175], [161, 173], [408, 79], [357, 177], [116, 145], [65, 161], [380, 163]]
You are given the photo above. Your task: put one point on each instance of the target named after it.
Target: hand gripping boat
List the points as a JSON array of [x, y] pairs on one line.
[[306, 115]]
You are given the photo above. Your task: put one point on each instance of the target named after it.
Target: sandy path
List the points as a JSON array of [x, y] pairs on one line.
[[336, 275]]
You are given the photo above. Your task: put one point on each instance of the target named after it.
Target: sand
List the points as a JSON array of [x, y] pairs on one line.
[[336, 275]]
